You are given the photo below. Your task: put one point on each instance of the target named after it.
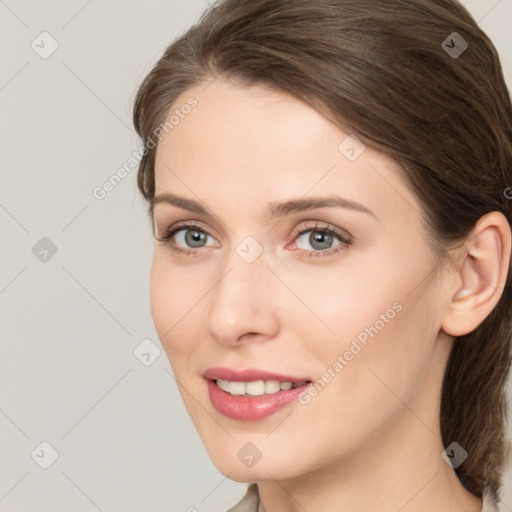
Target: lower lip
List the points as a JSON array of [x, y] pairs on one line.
[[251, 408]]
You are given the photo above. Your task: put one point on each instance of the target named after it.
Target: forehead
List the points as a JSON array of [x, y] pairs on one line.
[[231, 121], [253, 143]]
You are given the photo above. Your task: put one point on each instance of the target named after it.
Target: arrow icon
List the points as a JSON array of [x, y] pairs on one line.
[[454, 455], [146, 352], [44, 250], [351, 147], [249, 455], [249, 253], [454, 45], [44, 45], [44, 455]]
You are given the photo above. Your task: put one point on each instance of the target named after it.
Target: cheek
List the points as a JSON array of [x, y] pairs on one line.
[[161, 300], [363, 396], [393, 352], [172, 299], [338, 303], [378, 326]]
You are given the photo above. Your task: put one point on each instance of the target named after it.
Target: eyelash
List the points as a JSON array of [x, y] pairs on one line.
[[166, 238]]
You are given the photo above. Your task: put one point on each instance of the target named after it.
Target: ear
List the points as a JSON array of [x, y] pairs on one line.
[[480, 276]]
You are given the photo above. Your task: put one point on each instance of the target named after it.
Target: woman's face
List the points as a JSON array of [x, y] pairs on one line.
[[242, 296]]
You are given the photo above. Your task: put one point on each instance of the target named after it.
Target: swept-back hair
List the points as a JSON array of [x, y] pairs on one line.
[[399, 75]]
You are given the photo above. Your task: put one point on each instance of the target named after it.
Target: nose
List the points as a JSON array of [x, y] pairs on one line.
[[243, 304]]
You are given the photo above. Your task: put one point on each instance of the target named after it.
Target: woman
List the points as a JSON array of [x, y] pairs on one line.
[[331, 281]]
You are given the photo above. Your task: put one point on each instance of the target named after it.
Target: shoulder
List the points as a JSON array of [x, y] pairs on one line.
[[490, 504]]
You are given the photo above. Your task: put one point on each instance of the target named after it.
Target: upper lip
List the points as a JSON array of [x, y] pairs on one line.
[[249, 375]]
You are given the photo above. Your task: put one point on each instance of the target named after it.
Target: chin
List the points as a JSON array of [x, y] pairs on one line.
[[256, 470]]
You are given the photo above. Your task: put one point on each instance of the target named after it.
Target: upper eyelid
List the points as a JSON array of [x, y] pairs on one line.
[[343, 236], [296, 232]]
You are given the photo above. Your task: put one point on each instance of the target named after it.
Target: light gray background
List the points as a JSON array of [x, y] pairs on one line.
[[70, 324]]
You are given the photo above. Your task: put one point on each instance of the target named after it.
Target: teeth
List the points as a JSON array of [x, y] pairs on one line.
[[223, 384], [273, 386], [256, 388], [237, 388]]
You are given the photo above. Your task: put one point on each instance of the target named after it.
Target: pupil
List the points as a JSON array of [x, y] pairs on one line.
[[320, 240], [194, 238]]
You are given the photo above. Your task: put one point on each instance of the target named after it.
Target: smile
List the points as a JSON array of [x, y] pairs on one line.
[[251, 395], [256, 387]]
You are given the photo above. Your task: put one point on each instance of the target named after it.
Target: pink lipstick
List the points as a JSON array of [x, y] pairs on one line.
[[252, 394]]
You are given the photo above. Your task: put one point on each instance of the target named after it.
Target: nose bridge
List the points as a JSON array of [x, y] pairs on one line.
[[242, 300]]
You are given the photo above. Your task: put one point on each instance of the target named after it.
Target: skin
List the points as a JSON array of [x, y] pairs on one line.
[[370, 440]]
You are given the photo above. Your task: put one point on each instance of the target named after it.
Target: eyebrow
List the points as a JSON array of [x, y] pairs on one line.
[[275, 209]]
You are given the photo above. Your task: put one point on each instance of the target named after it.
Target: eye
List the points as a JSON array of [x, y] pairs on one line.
[[193, 238], [324, 240], [182, 238]]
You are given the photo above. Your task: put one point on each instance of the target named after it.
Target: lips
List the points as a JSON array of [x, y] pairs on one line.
[[235, 402], [249, 375]]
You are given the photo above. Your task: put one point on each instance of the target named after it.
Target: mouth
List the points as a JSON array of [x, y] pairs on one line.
[[251, 395], [257, 387]]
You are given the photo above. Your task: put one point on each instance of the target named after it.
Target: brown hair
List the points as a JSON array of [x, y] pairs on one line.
[[381, 70]]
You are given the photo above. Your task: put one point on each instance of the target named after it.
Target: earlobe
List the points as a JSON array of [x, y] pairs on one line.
[[482, 271]]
